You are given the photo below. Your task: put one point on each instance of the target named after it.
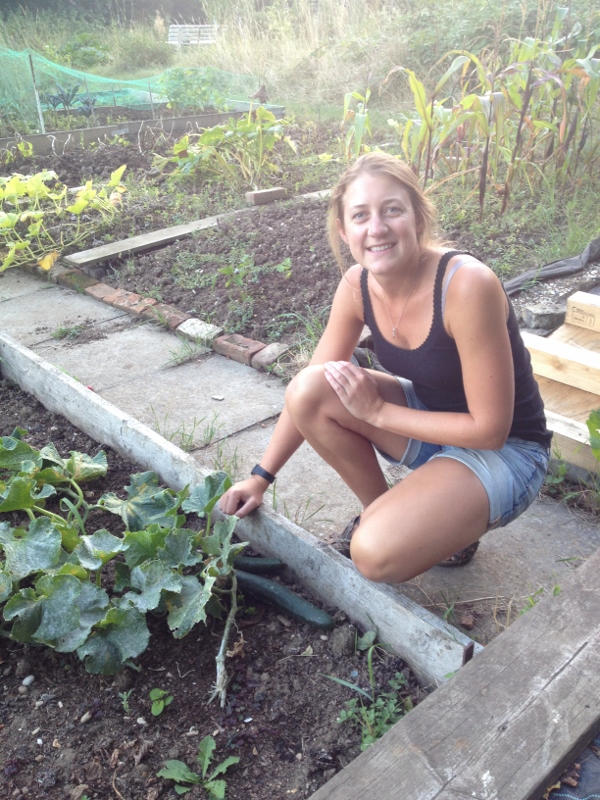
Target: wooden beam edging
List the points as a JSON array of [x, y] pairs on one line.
[[508, 724], [145, 241], [432, 648], [564, 363], [571, 441]]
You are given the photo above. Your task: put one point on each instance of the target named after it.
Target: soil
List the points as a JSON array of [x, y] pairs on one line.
[[280, 716]]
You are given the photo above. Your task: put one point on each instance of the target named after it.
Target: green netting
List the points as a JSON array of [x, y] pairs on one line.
[[174, 91]]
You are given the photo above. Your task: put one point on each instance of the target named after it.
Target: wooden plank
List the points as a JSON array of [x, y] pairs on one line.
[[577, 336], [583, 309], [431, 647], [567, 401], [137, 244], [564, 362], [508, 723], [571, 441]]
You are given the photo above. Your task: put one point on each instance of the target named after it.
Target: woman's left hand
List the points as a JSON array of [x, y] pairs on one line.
[[355, 388]]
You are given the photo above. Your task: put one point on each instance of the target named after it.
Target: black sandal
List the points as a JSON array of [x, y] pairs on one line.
[[461, 558], [342, 544]]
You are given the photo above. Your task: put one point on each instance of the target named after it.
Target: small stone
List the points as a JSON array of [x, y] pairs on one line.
[[39, 758], [467, 621], [39, 703], [22, 690], [36, 731], [28, 680], [56, 744], [86, 717], [298, 756], [141, 721]]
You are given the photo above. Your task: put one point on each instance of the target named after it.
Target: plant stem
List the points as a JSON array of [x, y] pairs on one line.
[[220, 688]]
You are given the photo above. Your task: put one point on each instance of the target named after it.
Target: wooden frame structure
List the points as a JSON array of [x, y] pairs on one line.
[[180, 35], [566, 365]]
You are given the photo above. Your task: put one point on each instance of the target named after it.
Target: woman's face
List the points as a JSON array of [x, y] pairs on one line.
[[379, 223]]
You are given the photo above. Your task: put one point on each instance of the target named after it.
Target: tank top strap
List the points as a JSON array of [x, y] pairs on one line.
[[439, 290]]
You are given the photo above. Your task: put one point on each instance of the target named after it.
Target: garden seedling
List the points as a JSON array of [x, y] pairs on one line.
[[160, 700], [124, 698], [383, 708], [179, 772]]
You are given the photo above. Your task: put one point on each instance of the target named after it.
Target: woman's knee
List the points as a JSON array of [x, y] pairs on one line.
[[307, 391], [372, 560]]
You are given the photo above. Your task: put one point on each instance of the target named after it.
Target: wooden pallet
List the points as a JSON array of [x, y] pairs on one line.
[[181, 35], [567, 368]]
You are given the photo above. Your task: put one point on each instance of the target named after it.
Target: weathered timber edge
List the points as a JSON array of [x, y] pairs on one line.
[[432, 648], [507, 725]]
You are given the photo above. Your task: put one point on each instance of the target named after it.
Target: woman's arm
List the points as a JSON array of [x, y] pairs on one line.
[[338, 341], [476, 314]]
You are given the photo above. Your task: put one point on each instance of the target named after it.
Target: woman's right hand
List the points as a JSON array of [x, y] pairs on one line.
[[243, 497]]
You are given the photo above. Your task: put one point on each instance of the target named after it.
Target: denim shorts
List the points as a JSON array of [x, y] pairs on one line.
[[511, 476]]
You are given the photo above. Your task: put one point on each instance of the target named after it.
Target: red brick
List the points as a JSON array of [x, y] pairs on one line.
[[237, 347], [144, 303], [100, 291], [166, 315], [126, 302], [75, 279], [118, 296], [269, 356]]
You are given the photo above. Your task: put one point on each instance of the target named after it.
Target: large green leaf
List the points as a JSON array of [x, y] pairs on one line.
[[30, 551], [13, 452], [218, 543], [150, 579], [82, 467], [143, 545], [593, 425], [121, 635], [56, 596], [92, 604], [178, 771], [26, 614], [178, 549], [6, 586], [21, 493], [146, 503], [203, 498], [188, 607], [96, 550]]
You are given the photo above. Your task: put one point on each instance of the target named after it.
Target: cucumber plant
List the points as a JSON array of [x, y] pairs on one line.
[[55, 589]]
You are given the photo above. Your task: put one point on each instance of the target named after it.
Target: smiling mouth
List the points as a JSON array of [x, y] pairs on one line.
[[379, 248]]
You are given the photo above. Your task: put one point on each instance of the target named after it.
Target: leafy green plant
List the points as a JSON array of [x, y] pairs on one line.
[[54, 588], [191, 90], [236, 152], [67, 331], [124, 698], [382, 709], [33, 207], [160, 700], [185, 778]]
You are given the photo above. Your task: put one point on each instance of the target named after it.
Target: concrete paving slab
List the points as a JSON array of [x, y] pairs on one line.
[[308, 491], [182, 399], [535, 552], [16, 283], [32, 317], [117, 356]]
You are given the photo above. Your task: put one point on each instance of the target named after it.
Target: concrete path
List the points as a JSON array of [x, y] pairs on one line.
[[224, 413]]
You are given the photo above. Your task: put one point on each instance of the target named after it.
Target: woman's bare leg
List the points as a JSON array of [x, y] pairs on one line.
[[343, 441], [437, 510]]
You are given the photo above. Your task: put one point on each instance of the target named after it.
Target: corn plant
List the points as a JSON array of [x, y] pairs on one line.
[[355, 124], [525, 116]]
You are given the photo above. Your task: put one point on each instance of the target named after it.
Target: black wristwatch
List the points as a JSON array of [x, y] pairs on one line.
[[262, 473]]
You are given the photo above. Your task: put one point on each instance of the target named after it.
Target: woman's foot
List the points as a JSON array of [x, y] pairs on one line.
[[461, 558]]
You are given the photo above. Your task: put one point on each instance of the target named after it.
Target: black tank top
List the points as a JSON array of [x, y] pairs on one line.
[[436, 373]]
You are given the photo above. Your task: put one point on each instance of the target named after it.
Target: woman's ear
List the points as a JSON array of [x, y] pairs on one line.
[[341, 231]]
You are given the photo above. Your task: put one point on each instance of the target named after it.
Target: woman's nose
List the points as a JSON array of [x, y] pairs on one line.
[[377, 225]]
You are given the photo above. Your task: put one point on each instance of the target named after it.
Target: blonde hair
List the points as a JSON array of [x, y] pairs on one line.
[[381, 163]]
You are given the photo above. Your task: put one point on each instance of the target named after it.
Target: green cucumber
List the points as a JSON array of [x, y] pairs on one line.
[[258, 566], [283, 598]]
